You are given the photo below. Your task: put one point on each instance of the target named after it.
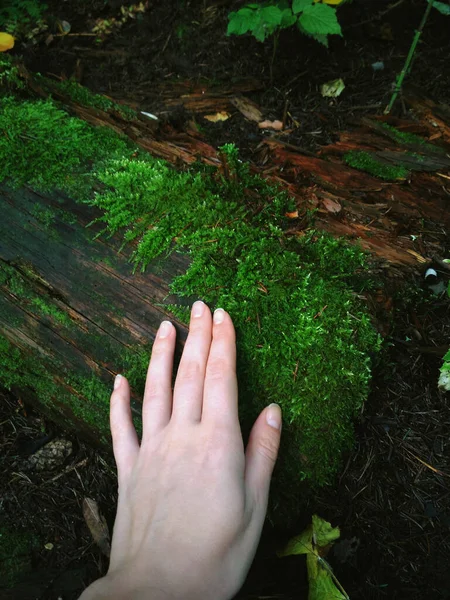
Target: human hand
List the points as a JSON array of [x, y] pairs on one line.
[[191, 503]]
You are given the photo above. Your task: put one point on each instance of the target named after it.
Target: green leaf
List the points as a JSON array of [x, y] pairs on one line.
[[441, 7], [323, 39], [241, 22], [320, 19], [271, 15], [287, 18], [447, 356], [323, 585], [299, 6]]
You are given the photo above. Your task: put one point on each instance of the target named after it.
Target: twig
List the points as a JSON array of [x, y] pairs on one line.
[[401, 77], [67, 470]]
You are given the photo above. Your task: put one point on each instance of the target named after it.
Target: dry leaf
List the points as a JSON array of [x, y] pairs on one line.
[[6, 41], [220, 116], [97, 525], [332, 206], [248, 108], [278, 125], [292, 215]]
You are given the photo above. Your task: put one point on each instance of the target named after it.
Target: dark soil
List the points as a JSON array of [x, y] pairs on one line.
[[392, 500]]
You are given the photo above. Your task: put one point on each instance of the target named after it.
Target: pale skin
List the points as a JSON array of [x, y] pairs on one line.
[[192, 501]]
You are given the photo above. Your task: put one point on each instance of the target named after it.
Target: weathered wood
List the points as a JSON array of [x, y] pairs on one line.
[[108, 309]]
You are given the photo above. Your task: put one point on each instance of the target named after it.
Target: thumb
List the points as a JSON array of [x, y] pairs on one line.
[[261, 455]]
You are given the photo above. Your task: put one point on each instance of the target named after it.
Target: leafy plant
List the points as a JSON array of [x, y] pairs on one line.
[[22, 18], [444, 377], [443, 9], [313, 18]]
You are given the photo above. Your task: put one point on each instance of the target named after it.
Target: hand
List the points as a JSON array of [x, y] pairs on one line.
[[191, 504]]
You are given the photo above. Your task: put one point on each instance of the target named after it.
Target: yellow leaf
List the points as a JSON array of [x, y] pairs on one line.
[[220, 116], [6, 41], [332, 2]]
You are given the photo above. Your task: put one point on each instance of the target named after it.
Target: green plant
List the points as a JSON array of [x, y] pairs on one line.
[[443, 9], [313, 18], [22, 18], [444, 377]]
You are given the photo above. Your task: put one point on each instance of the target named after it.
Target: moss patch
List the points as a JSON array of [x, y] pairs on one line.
[[304, 337], [83, 96], [409, 139], [365, 161]]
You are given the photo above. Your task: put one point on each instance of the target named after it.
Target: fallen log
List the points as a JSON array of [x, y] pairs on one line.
[[72, 306], [73, 312]]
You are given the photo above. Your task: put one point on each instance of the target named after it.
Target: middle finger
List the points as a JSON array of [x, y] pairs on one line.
[[188, 391]]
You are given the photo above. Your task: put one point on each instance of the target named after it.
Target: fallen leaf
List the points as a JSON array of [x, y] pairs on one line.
[[248, 108], [6, 41], [97, 525], [220, 116], [49, 546], [278, 125], [332, 206], [292, 215], [333, 88], [315, 542]]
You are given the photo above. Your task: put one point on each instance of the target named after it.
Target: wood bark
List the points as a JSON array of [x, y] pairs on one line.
[[111, 310]]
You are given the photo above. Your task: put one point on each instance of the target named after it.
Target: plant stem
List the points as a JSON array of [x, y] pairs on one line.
[[275, 47], [401, 77]]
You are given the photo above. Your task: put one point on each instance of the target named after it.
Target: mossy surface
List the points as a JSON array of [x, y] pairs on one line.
[[304, 337], [365, 161], [16, 548], [83, 96], [21, 287], [409, 139]]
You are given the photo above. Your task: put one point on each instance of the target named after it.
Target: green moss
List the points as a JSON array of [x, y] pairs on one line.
[[304, 337], [83, 96], [44, 215], [48, 309], [16, 549], [46, 148], [22, 287], [88, 397], [409, 139], [365, 161]]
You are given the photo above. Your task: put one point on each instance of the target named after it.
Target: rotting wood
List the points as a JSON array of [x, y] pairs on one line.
[[109, 310]]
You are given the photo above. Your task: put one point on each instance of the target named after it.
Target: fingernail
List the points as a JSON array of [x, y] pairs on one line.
[[219, 316], [164, 329], [117, 381], [198, 308], [273, 416]]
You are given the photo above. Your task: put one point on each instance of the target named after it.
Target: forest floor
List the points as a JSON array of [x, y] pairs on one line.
[[392, 499]]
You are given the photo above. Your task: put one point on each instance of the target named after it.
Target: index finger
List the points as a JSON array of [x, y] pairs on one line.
[[220, 395]]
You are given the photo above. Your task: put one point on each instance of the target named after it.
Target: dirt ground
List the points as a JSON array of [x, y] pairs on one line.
[[392, 500]]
